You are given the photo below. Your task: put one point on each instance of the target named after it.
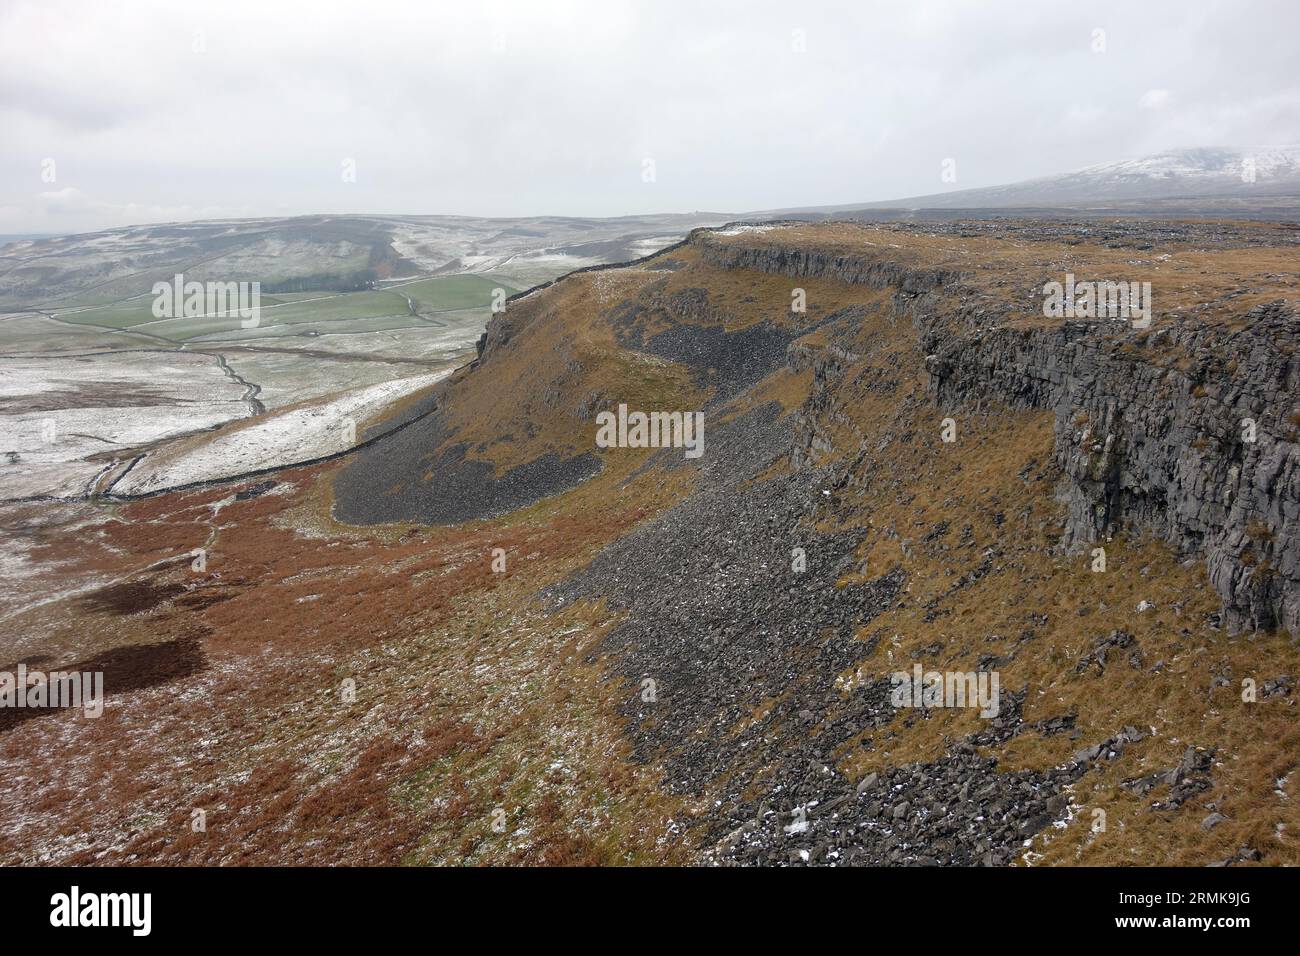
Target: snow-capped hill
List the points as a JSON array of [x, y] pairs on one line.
[[1187, 168], [1227, 172]]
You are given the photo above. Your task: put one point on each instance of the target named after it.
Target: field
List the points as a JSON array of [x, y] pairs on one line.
[[400, 306], [451, 293]]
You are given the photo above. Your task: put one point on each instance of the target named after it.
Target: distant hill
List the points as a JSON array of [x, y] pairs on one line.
[[321, 253], [1203, 179]]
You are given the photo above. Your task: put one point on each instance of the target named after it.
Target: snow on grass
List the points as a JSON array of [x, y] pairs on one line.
[[295, 435], [62, 419], [649, 245], [739, 230]]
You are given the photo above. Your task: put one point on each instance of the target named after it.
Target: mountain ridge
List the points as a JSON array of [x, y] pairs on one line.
[[1191, 173]]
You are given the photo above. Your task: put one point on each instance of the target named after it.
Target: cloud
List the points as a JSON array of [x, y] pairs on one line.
[[1155, 99], [70, 210], [515, 108]]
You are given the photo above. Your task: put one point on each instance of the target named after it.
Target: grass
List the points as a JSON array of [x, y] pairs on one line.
[[438, 294], [449, 293], [1009, 272], [468, 695]]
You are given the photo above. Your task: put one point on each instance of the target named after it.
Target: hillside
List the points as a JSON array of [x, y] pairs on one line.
[[316, 253], [1250, 181], [654, 674]]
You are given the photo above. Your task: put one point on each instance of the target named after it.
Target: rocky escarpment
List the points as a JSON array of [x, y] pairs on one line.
[[798, 261], [1186, 430]]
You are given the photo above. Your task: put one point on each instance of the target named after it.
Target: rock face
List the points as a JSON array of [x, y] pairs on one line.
[[819, 264], [1185, 430]]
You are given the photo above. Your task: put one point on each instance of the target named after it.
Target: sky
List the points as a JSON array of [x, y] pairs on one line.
[[134, 112]]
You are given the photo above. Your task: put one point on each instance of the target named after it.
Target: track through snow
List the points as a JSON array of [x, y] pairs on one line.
[[255, 407]]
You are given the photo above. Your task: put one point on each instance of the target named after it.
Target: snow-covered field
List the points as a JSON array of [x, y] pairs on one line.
[[64, 420], [651, 244], [78, 404], [303, 433], [419, 341], [289, 378]]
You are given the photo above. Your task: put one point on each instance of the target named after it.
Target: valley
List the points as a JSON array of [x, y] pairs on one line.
[[91, 375]]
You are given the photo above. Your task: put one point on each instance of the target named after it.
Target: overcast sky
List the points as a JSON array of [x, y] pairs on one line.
[[117, 113]]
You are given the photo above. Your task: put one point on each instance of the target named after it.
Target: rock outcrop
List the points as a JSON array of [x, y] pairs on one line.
[[1186, 430]]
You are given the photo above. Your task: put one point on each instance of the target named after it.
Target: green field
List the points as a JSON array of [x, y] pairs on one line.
[[377, 308], [350, 305], [447, 293]]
